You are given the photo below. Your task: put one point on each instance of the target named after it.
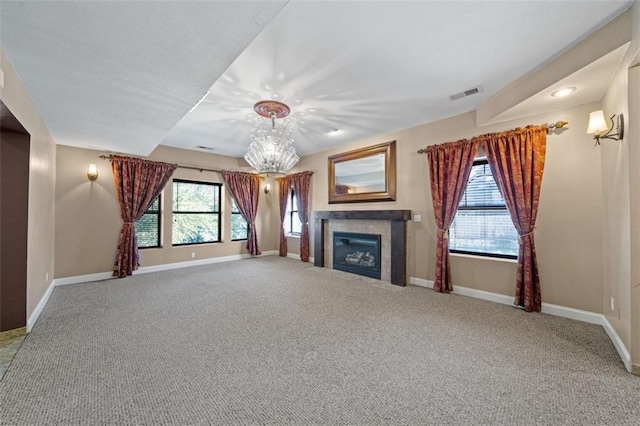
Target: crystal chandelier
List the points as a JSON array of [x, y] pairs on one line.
[[271, 151]]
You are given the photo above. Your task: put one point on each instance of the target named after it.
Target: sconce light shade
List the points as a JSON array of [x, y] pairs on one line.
[[598, 127], [92, 173], [267, 188]]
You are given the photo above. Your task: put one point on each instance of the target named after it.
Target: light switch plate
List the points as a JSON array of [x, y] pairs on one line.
[[417, 218]]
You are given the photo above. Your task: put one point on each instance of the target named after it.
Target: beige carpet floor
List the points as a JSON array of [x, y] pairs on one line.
[[274, 341]]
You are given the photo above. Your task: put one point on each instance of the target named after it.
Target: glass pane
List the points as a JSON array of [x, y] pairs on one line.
[[481, 190], [239, 229], [362, 175], [147, 229], [195, 228], [155, 205], [296, 225], [484, 231], [234, 206], [195, 197]]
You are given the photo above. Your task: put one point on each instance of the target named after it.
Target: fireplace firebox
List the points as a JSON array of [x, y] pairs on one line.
[[357, 253]]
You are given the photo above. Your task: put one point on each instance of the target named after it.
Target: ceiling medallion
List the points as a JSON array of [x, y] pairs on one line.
[[266, 108], [271, 151]]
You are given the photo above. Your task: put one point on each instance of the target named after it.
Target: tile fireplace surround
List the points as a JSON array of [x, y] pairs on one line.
[[390, 224]]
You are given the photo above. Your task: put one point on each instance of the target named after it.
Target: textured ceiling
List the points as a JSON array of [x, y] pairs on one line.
[[119, 76]]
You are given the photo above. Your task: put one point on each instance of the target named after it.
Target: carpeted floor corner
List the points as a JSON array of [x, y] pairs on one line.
[[274, 341]]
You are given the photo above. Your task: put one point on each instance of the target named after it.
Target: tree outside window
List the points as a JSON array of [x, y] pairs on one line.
[[239, 226], [196, 212]]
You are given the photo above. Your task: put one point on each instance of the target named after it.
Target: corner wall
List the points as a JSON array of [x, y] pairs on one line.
[[620, 185], [42, 176]]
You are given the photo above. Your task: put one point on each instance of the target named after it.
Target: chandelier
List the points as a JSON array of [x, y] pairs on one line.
[[271, 151]]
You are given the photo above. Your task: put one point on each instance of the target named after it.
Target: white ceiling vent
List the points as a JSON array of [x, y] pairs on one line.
[[466, 93]]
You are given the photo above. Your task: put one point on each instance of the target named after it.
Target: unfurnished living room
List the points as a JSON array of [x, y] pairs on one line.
[[319, 212]]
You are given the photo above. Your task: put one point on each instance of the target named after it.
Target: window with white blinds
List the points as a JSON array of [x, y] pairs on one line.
[[482, 225], [148, 226]]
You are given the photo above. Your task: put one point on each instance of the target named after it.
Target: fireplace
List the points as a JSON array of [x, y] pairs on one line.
[[390, 224], [357, 253]]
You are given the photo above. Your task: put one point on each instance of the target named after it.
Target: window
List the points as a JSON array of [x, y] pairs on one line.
[[148, 226], [239, 226], [196, 212], [482, 225], [294, 224]]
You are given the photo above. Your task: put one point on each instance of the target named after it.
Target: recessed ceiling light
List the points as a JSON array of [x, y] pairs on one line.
[[333, 132], [563, 92]]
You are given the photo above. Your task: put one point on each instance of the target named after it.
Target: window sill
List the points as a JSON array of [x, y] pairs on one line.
[[197, 244], [471, 256], [293, 236]]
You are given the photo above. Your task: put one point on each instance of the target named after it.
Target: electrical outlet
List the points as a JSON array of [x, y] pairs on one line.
[[613, 304], [193, 254], [417, 218]]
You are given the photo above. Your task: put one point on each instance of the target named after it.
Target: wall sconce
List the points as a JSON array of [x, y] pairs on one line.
[[599, 128], [267, 188], [92, 173]]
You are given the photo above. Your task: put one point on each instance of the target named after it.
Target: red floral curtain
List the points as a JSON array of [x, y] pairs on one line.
[[301, 183], [284, 189], [245, 189], [138, 182], [516, 158], [449, 169]]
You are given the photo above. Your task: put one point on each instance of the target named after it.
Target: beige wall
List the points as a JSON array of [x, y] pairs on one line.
[[88, 217], [620, 185], [634, 174], [616, 242], [569, 227], [42, 176]]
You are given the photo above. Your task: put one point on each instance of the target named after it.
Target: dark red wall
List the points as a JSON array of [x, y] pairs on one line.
[[14, 206]]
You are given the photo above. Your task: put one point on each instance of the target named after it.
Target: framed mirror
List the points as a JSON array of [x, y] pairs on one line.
[[363, 175]]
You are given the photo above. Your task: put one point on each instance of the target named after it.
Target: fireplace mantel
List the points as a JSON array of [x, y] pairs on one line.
[[398, 220]]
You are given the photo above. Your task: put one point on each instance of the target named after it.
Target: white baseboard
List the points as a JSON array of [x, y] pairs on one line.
[[199, 262], [617, 342], [576, 314], [297, 257], [547, 308], [40, 306], [100, 276], [420, 282], [503, 299]]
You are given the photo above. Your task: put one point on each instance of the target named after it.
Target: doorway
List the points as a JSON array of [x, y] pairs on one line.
[[14, 207]]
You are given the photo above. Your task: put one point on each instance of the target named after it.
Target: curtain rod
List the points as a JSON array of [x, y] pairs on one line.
[[550, 127], [200, 169]]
